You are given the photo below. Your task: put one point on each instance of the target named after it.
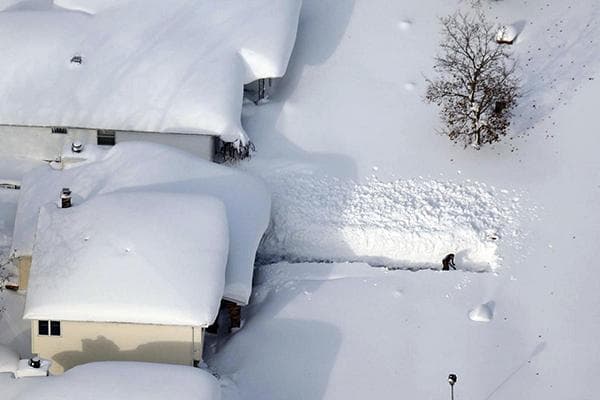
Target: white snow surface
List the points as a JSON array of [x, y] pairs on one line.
[[9, 359], [176, 66], [146, 167], [125, 380], [351, 109], [408, 223], [152, 258]]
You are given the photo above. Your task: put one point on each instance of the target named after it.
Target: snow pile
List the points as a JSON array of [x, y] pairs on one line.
[[126, 380], [153, 258], [410, 223], [146, 167], [140, 65], [483, 312], [506, 34]]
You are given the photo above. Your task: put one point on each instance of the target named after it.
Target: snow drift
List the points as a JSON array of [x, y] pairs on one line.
[[126, 380], [180, 67]]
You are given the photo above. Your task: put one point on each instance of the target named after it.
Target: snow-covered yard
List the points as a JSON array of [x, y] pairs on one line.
[[357, 173]]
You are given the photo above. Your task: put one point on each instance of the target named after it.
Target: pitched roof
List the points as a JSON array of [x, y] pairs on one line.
[[156, 258], [140, 65], [143, 167]]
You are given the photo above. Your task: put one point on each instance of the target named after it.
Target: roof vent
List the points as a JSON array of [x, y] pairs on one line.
[[76, 147], [65, 198], [35, 362], [60, 130], [77, 59]]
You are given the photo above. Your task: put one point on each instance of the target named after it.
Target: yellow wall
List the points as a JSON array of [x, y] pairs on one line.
[[24, 265], [83, 342]]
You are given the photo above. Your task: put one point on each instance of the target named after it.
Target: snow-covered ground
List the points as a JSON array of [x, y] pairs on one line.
[[357, 173]]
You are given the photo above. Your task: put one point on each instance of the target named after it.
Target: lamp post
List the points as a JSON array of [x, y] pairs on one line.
[[452, 380]]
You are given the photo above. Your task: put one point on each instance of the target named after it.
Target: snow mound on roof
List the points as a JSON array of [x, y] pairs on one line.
[[144, 65], [148, 167], [410, 223], [126, 380], [152, 258]]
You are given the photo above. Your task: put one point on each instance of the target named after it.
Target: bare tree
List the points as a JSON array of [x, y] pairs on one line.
[[477, 89]]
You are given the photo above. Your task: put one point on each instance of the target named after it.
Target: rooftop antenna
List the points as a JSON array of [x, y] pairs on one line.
[[452, 380]]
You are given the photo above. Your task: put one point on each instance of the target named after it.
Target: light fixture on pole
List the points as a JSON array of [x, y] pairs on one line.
[[452, 380]]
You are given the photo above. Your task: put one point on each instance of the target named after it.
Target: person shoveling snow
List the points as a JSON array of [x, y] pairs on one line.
[[448, 262]]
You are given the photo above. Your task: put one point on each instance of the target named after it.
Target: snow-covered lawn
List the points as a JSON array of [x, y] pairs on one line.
[[347, 133], [350, 331]]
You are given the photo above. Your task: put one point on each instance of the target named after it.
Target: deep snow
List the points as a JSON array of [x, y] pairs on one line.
[[140, 167], [144, 257], [349, 114], [351, 107], [131, 380], [180, 67]]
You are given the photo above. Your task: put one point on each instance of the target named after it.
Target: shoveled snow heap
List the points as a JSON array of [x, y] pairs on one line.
[[126, 380], [176, 66], [148, 167], [409, 223], [152, 258]]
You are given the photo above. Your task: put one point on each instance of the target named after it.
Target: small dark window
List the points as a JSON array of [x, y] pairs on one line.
[[62, 131], [43, 328], [106, 137], [54, 328]]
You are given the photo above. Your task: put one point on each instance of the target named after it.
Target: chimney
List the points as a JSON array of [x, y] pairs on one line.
[[76, 147], [65, 198]]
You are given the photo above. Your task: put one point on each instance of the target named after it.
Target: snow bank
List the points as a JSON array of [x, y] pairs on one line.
[[148, 167], [152, 258], [126, 380], [140, 65], [409, 223]]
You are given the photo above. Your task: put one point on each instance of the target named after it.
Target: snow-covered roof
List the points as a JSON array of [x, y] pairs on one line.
[[143, 166], [146, 65], [126, 381], [142, 257]]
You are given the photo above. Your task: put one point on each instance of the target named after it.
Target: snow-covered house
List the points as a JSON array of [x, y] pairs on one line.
[[143, 169], [127, 276], [106, 71], [126, 380]]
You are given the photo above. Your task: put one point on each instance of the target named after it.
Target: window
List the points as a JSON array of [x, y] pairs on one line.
[[106, 137], [54, 328], [49, 328], [43, 328], [62, 131]]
